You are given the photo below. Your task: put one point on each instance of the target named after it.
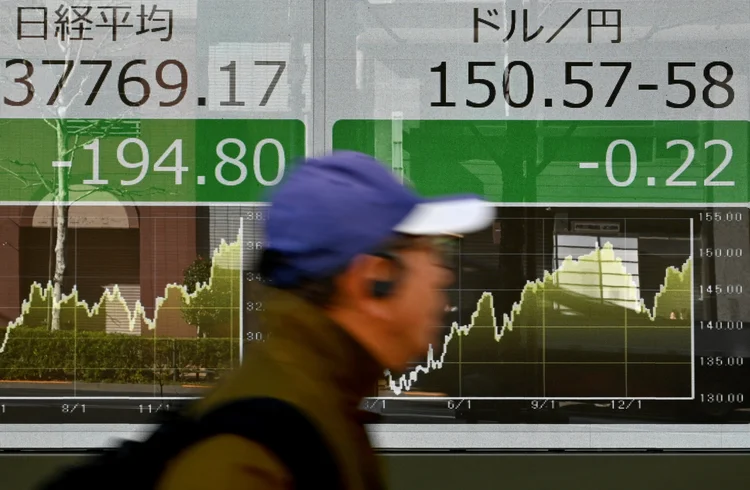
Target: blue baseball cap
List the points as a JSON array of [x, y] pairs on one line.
[[332, 208]]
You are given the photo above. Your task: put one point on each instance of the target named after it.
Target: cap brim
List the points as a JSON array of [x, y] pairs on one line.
[[456, 215]]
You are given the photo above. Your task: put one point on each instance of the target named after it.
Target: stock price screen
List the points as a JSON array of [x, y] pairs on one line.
[[606, 306]]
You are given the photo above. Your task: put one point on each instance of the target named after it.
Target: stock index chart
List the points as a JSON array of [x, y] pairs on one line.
[[140, 140], [110, 330]]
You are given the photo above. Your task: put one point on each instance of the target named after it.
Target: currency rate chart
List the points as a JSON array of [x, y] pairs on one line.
[[609, 315]]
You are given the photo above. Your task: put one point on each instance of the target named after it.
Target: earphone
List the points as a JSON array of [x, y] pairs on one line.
[[383, 289]]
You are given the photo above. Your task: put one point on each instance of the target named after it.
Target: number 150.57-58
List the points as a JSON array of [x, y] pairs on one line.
[[681, 84]]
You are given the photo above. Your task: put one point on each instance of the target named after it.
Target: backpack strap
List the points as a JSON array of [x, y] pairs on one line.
[[284, 430]]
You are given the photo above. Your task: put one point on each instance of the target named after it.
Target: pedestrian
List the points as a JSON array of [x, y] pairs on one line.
[[354, 278]]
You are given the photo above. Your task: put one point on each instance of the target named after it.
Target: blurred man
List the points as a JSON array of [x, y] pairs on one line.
[[355, 271]]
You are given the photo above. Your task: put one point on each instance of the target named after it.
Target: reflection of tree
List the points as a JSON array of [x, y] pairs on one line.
[[214, 297], [54, 110], [165, 369], [68, 141]]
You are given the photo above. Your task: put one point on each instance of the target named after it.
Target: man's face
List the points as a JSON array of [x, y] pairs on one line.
[[417, 304]]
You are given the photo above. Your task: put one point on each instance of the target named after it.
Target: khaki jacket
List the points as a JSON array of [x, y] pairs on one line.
[[309, 361]]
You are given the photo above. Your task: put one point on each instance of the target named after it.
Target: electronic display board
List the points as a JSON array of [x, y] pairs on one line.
[[605, 307]]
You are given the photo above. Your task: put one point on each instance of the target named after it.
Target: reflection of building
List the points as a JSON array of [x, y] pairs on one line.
[[141, 249]]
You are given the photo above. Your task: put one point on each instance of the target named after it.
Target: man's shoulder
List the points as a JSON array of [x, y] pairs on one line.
[[225, 462]]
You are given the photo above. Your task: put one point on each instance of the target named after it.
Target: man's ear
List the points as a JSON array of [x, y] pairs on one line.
[[357, 282]]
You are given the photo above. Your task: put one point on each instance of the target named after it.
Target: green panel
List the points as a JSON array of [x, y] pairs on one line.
[[540, 161], [29, 146]]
